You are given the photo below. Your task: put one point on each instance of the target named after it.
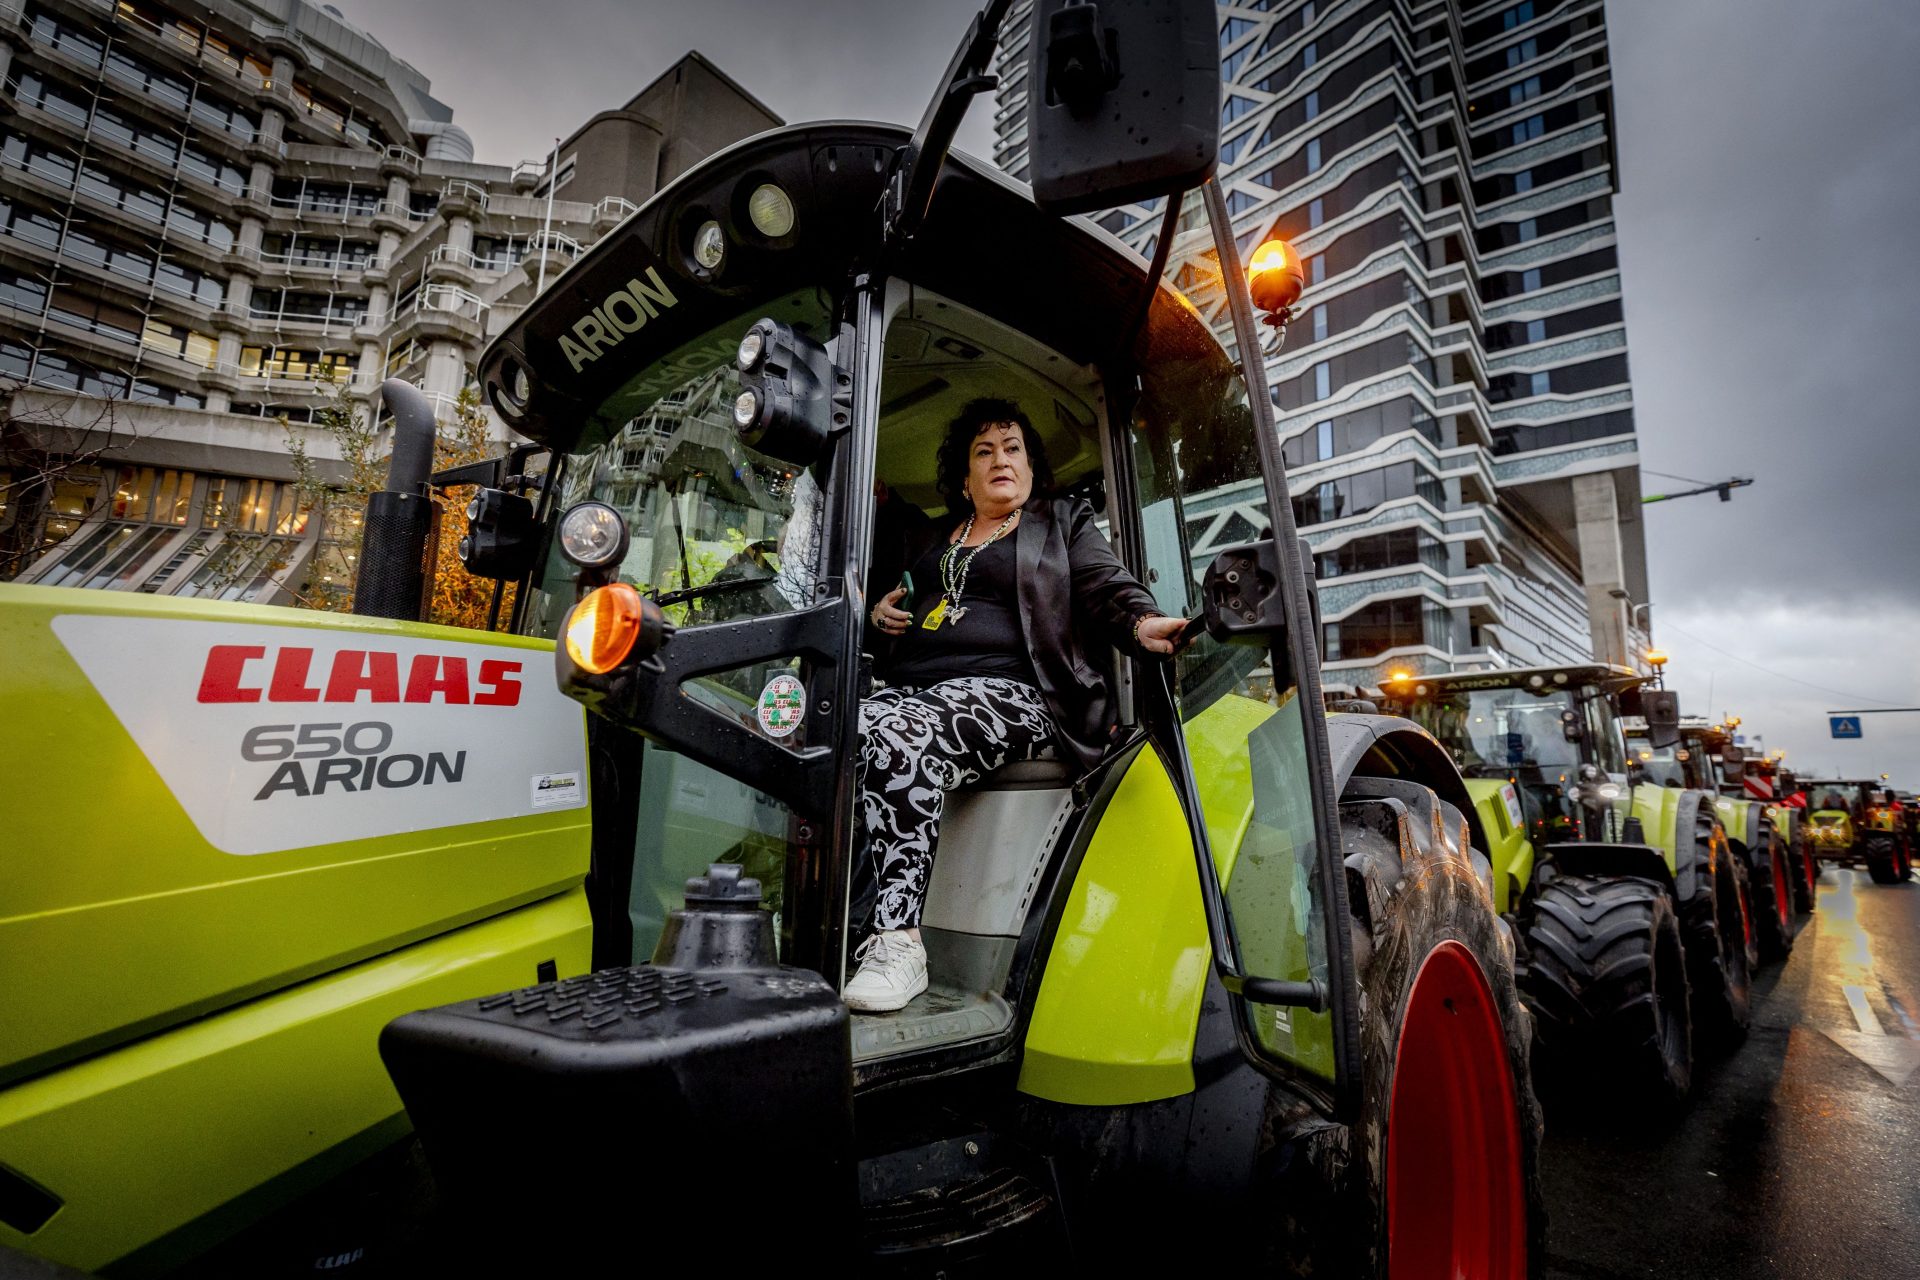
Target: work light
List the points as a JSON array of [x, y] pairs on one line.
[[710, 245], [786, 407], [771, 211], [593, 536]]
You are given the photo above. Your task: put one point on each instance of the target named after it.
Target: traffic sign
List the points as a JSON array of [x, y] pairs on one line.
[[1844, 726]]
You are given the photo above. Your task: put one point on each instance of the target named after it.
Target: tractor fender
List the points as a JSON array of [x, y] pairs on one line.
[[1684, 856], [1609, 861], [1392, 747]]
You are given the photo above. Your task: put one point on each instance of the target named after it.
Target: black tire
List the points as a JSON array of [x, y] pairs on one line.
[[1713, 921], [1606, 982], [1770, 871], [1883, 861], [1806, 879], [1416, 892]]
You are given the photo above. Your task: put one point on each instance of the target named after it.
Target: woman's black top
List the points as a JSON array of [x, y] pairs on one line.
[[986, 641], [1072, 601]]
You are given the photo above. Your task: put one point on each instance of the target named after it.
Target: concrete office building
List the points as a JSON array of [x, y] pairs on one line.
[[1453, 399], [217, 214]]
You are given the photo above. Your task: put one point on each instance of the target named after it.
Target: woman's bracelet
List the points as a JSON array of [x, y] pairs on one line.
[[1136, 627]]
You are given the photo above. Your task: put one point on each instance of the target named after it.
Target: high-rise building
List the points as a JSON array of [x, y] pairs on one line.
[[1453, 397], [217, 215]]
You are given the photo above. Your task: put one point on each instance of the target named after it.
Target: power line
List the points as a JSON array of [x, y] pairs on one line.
[[1779, 675]]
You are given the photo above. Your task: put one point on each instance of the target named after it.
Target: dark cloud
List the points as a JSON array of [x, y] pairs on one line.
[[1770, 167], [519, 75]]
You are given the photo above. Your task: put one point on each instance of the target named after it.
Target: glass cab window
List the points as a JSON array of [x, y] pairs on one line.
[[1197, 462], [718, 533]]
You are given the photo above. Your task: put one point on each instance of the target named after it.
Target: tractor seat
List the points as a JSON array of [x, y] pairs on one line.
[[1044, 774]]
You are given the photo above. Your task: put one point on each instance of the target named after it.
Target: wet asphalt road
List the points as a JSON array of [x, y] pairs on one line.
[[1801, 1154]]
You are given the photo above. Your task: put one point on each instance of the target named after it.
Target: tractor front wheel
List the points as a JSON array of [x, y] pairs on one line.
[[1607, 984], [1438, 1176], [1884, 862]]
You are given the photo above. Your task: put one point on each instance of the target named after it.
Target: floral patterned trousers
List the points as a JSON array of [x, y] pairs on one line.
[[916, 745]]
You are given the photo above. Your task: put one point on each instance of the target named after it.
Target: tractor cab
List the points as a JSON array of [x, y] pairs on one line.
[[761, 544], [1693, 762], [1553, 733]]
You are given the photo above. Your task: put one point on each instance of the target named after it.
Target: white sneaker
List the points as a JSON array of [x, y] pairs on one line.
[[893, 970]]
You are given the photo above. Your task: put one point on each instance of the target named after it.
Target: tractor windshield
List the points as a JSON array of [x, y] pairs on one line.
[[1841, 796], [718, 533], [1659, 765], [1492, 732]]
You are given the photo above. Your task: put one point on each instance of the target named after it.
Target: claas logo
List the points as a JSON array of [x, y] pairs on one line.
[[246, 673]]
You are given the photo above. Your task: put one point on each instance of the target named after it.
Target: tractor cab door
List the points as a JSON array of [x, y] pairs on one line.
[[739, 759], [1248, 734]]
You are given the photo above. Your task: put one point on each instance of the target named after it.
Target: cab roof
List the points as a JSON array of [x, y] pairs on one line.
[[984, 244], [1606, 675]]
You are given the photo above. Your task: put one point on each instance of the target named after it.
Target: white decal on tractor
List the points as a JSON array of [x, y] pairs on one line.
[[275, 738]]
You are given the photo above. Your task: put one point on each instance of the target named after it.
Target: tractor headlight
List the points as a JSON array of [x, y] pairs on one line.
[[593, 536]]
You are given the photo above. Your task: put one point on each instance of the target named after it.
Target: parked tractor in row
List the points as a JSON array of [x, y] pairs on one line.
[[1856, 822], [1634, 913]]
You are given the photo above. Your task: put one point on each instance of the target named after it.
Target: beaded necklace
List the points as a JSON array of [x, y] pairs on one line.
[[955, 561]]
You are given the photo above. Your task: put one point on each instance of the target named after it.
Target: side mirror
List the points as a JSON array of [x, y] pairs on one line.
[[788, 404], [1241, 599], [1661, 707], [1123, 101], [1733, 755]]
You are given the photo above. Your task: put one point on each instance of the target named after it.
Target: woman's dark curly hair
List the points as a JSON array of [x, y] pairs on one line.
[[951, 464]]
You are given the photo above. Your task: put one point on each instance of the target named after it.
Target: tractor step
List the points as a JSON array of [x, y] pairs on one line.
[[958, 1200]]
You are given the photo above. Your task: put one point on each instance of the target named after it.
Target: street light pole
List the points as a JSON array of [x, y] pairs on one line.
[[546, 228]]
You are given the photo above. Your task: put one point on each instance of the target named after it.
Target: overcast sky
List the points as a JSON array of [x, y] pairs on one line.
[[1770, 190]]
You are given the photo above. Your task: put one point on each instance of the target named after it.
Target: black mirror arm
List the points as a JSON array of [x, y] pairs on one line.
[[917, 167]]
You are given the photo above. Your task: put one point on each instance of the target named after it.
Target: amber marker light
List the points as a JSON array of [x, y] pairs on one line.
[[1400, 677], [1656, 657], [1274, 277], [603, 627]]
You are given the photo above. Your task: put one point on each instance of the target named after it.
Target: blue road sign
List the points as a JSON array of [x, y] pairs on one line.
[[1844, 726]]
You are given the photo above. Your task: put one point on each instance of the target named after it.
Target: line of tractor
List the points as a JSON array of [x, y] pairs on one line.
[[1647, 863]]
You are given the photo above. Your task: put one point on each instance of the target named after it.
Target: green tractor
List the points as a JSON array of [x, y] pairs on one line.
[[1859, 823], [1248, 965], [1702, 760], [1634, 917]]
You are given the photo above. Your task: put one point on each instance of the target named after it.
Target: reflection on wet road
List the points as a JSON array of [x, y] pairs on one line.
[[1801, 1154]]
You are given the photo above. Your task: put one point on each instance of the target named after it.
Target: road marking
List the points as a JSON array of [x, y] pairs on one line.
[[1862, 1011]]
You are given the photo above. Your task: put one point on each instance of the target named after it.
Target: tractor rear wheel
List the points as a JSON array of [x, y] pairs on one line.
[[1773, 900], [1717, 924], [1439, 1175], [1607, 983]]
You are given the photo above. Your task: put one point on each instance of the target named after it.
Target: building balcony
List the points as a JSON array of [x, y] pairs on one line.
[[400, 162], [462, 199]]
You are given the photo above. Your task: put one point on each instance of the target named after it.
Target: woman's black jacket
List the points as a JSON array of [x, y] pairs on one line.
[[1076, 600]]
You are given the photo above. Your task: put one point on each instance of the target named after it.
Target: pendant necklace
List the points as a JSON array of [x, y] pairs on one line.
[[955, 561]]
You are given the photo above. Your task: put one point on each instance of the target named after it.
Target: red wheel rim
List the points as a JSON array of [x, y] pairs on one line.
[[1456, 1204]]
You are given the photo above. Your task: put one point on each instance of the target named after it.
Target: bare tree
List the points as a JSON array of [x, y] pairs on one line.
[[39, 448]]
